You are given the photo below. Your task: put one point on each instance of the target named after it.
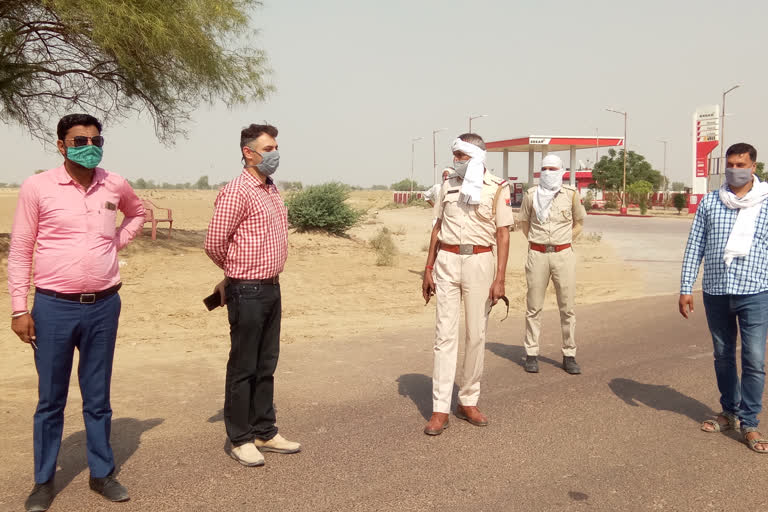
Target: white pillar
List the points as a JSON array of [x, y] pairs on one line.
[[530, 166], [506, 164], [573, 167]]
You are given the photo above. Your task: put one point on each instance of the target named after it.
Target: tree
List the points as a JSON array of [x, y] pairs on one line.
[[608, 173], [760, 171], [202, 183], [680, 201], [117, 58], [407, 185], [639, 191], [678, 186]]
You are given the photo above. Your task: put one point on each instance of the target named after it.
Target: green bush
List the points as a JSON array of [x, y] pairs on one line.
[[385, 248], [680, 201], [611, 204], [322, 208], [407, 185]]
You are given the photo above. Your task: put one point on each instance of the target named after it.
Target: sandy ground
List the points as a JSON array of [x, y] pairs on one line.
[[331, 285]]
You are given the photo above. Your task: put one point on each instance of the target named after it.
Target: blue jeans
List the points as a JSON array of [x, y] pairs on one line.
[[744, 399], [60, 326]]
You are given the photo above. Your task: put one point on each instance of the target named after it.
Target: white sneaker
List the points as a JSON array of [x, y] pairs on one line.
[[247, 455], [277, 444]]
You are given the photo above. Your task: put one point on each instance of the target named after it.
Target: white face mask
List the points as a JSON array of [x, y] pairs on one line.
[[551, 180]]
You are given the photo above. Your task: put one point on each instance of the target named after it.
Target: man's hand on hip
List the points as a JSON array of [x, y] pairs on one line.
[[496, 291], [24, 327], [686, 305]]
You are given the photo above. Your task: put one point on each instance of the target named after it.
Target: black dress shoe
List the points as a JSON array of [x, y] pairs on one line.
[[40, 498], [531, 364], [109, 488], [570, 365]]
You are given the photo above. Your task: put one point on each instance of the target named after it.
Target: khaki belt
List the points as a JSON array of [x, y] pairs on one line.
[[465, 248], [549, 248]]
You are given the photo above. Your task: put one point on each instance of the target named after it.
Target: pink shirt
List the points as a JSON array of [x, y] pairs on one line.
[[74, 230]]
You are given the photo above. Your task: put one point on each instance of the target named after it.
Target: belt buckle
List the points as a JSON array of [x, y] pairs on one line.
[[466, 249], [550, 248], [87, 298]]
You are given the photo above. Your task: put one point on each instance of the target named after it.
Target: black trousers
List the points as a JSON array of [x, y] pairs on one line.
[[254, 327]]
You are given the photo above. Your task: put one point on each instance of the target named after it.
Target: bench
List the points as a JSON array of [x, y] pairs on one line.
[[155, 215]]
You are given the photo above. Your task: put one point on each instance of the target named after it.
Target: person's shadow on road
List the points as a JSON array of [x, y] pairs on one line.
[[661, 398], [516, 354], [418, 388], [125, 440]]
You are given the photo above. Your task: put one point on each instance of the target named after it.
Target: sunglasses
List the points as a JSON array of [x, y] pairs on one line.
[[81, 140]]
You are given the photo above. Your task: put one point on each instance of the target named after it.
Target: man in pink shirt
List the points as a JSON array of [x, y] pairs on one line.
[[66, 219]]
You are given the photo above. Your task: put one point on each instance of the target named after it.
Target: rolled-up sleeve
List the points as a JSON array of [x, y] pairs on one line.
[[133, 209], [23, 238]]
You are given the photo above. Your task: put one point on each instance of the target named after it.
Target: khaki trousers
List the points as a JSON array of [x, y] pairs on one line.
[[456, 277], [561, 268]]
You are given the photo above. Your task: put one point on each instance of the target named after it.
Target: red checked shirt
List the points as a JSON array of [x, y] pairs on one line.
[[248, 234]]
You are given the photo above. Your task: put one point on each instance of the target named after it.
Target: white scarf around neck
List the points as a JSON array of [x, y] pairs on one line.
[[543, 197], [472, 186], [743, 232]]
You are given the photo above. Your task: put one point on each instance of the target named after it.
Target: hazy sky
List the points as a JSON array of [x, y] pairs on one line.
[[356, 80]]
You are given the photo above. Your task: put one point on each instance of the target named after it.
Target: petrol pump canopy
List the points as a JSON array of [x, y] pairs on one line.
[[551, 143]]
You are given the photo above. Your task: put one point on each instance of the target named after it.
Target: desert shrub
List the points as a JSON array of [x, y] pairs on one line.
[[322, 208], [610, 204], [589, 199], [385, 248]]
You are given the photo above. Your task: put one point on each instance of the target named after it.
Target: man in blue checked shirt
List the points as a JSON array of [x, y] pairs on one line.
[[730, 232]]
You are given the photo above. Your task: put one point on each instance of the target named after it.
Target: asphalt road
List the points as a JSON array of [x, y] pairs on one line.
[[653, 244], [624, 435]]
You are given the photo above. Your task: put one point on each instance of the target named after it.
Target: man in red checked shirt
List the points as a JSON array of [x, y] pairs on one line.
[[66, 219], [248, 239]]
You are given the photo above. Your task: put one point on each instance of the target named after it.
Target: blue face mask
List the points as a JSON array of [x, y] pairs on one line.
[[88, 156], [269, 162]]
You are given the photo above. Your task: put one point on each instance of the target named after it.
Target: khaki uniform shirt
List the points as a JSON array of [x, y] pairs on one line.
[[558, 229], [473, 224]]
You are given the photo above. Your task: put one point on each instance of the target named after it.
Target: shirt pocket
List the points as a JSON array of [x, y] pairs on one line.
[[108, 220], [485, 208], [451, 204]]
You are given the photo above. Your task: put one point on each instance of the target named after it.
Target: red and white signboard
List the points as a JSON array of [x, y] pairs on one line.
[[706, 136]]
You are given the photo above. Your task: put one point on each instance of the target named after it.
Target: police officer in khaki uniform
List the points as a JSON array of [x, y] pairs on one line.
[[473, 215], [551, 216]]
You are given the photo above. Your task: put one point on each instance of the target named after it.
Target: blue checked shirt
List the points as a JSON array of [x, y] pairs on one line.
[[709, 233]]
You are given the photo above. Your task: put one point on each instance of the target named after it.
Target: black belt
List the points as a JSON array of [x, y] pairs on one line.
[[82, 298], [271, 280]]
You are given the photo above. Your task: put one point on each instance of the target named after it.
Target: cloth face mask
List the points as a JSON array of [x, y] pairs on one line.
[[738, 177], [551, 180], [461, 167], [87, 156], [269, 162]]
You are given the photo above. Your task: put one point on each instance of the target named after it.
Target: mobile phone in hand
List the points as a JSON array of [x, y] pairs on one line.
[[212, 301]]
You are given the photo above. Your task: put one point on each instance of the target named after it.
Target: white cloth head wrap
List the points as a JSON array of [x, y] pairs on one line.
[[545, 193], [743, 231], [472, 186]]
